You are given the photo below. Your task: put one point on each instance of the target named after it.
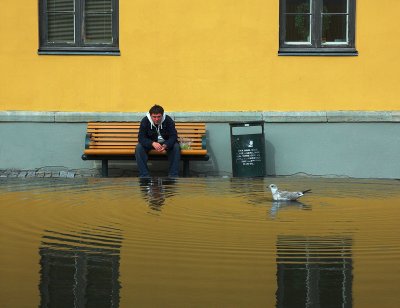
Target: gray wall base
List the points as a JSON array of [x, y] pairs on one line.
[[358, 149]]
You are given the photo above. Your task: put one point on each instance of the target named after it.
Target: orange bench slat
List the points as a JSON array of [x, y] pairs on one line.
[[120, 138]]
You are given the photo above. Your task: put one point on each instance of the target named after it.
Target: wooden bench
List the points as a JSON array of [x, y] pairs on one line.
[[117, 141]]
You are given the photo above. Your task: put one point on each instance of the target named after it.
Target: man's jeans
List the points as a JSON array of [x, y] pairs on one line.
[[174, 156]]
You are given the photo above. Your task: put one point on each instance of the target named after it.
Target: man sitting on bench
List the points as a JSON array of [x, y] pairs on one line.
[[157, 131]]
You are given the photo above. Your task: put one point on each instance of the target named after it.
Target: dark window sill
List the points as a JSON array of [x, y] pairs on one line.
[[88, 52], [340, 52]]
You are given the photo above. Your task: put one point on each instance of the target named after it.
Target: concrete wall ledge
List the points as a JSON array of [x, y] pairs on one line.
[[26, 116], [210, 117]]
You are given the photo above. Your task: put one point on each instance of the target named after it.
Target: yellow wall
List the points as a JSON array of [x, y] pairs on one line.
[[200, 55]]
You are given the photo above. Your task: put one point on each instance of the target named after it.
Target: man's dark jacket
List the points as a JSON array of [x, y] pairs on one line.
[[148, 132]]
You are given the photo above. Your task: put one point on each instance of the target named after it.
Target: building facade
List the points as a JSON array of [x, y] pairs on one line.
[[321, 75]]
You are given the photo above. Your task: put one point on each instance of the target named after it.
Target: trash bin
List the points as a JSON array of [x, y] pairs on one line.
[[248, 149]]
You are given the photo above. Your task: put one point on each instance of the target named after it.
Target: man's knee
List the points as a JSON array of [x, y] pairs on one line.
[[176, 147], [140, 150], [176, 150]]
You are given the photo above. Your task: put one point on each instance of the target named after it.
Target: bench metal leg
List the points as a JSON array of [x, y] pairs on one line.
[[185, 168], [104, 167]]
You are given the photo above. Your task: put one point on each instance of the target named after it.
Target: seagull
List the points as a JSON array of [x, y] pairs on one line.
[[282, 195]]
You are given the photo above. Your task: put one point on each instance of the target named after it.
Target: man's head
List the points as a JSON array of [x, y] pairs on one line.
[[156, 113]]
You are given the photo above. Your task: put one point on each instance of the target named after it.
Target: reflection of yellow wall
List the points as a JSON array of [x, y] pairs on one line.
[[200, 56]]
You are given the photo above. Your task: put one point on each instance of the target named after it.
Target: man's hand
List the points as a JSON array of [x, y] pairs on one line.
[[158, 147]]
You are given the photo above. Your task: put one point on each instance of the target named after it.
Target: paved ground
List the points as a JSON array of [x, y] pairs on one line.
[[49, 173], [54, 172]]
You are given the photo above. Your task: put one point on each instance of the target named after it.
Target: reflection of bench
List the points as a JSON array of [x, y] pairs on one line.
[[117, 141]]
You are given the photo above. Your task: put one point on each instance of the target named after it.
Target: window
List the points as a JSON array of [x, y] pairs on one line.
[[78, 26], [317, 27]]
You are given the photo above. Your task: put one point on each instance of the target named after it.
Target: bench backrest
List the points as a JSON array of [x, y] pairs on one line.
[[120, 138]]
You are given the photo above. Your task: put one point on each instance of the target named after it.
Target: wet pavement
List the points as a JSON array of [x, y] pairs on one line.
[[49, 173]]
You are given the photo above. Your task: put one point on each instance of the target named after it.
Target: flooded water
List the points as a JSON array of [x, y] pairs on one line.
[[198, 242]]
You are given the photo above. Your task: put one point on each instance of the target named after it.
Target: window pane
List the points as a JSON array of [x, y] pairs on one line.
[[98, 28], [298, 6], [60, 5], [297, 28], [98, 21], [334, 28], [98, 5], [335, 6], [60, 28]]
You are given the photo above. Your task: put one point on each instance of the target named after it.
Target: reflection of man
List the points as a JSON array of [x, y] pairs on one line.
[[156, 190], [157, 132]]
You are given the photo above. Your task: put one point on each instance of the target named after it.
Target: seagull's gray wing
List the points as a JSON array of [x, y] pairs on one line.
[[290, 195]]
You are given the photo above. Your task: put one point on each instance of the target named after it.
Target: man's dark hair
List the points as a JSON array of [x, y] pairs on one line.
[[156, 109]]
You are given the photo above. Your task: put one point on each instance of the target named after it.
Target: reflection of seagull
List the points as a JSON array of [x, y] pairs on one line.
[[277, 206], [282, 195]]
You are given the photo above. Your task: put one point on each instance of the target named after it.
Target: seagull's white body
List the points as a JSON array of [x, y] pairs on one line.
[[282, 195]]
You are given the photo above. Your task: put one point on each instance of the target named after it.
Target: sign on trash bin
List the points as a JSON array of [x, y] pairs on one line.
[[248, 149]]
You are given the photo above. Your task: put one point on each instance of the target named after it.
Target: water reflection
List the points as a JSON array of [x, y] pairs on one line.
[[156, 190], [282, 205], [314, 272], [80, 270], [211, 245]]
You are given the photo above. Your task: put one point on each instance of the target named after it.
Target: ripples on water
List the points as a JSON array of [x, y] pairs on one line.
[[198, 242]]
